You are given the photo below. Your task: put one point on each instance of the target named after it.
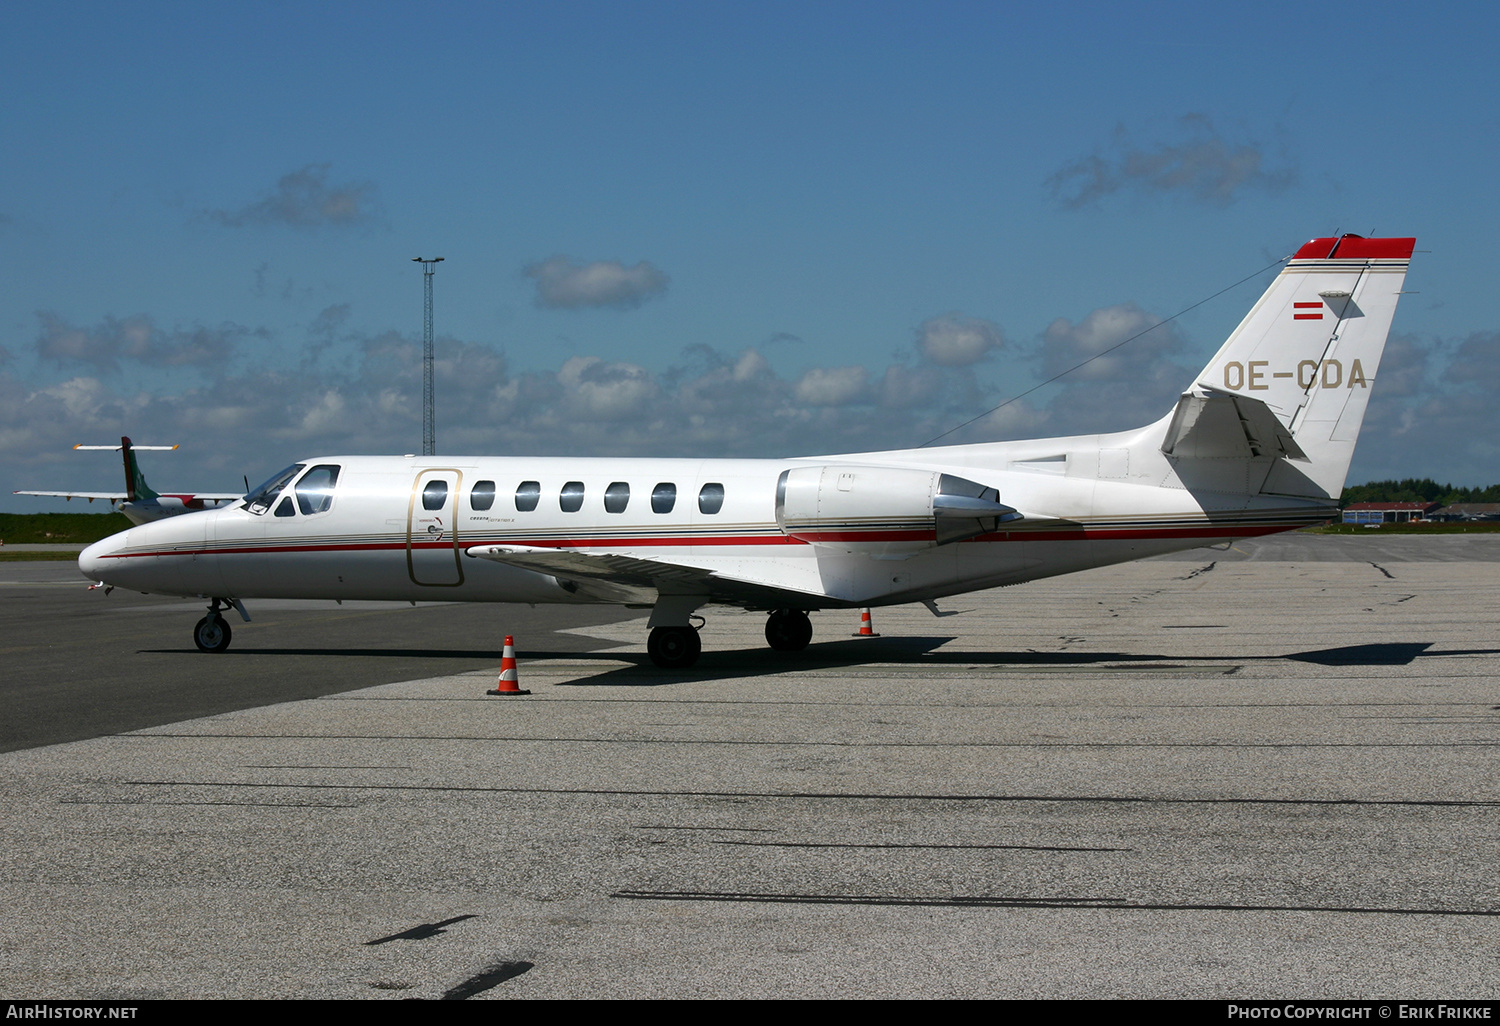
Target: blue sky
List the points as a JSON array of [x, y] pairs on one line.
[[710, 228]]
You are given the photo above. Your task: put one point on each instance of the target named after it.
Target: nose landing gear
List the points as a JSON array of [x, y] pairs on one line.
[[212, 633]]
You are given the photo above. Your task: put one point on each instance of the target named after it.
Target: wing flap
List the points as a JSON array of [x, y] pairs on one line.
[[616, 577]]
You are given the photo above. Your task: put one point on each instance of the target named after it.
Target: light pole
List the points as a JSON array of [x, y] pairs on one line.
[[429, 425]]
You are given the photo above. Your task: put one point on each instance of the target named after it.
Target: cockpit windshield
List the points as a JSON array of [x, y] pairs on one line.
[[260, 499]]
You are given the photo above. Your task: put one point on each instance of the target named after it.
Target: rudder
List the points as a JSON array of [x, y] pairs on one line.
[[1309, 350]]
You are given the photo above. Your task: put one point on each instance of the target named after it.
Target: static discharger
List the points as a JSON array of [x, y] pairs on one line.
[[509, 683], [866, 628]]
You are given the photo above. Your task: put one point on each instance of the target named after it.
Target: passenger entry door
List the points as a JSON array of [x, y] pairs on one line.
[[433, 557]]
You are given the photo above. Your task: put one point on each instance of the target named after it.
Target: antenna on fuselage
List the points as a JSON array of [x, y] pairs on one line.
[[429, 426]]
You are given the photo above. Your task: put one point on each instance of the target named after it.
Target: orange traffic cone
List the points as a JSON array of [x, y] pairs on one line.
[[865, 629], [508, 684]]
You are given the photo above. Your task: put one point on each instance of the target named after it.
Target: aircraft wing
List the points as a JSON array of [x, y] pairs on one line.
[[205, 496], [616, 577], [186, 497], [91, 496]]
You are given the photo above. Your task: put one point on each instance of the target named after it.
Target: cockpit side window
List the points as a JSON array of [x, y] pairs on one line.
[[260, 499], [315, 489], [286, 509]]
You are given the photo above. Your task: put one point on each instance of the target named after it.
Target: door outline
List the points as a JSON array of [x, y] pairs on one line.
[[424, 527]]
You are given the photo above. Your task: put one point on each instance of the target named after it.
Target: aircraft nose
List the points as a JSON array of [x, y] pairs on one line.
[[95, 563]]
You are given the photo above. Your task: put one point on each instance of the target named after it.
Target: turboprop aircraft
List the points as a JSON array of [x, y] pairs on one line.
[[1259, 443], [138, 501]]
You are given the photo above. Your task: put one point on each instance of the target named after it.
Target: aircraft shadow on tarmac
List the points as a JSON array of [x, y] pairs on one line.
[[915, 652], [919, 652]]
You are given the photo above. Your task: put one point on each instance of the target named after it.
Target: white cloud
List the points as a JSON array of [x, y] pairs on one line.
[[304, 199], [834, 386], [908, 387], [1430, 403], [562, 284], [136, 339], [600, 391], [1196, 161], [957, 341], [1065, 344]]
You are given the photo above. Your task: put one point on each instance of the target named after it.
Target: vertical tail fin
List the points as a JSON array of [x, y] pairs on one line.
[[1310, 349], [136, 487]]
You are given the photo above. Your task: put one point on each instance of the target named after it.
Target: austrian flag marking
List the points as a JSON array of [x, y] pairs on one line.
[[1307, 316]]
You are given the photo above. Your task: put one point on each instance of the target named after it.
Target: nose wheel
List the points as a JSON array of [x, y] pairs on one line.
[[212, 633], [788, 630]]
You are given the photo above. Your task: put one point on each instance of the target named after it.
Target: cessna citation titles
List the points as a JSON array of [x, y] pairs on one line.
[[1260, 443]]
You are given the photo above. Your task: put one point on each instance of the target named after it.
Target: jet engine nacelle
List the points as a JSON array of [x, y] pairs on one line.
[[884, 511]]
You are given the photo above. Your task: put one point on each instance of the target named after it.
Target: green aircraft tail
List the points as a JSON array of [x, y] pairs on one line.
[[136, 487]]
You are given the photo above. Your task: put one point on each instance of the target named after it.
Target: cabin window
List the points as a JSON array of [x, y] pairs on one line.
[[616, 497], [711, 498], [571, 497], [286, 509], [663, 497], [434, 494], [483, 495], [264, 497], [528, 494], [315, 490]]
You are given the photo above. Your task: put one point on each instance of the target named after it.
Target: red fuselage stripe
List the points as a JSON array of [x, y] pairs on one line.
[[1069, 534]]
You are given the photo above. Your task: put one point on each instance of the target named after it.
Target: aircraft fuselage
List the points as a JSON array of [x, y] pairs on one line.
[[409, 528]]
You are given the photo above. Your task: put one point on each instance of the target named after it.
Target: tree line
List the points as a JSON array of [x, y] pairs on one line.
[[1417, 490]]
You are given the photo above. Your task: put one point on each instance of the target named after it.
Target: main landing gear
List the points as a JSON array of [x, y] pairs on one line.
[[212, 633], [677, 646], [788, 630], [674, 648]]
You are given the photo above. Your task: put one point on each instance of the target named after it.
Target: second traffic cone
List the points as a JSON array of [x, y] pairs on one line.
[[865, 628], [508, 684]]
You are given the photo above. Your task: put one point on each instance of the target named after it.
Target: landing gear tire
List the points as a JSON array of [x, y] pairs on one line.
[[674, 648], [788, 630], [212, 634]]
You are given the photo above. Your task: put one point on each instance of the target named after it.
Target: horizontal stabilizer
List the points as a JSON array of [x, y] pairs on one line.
[[1218, 425]]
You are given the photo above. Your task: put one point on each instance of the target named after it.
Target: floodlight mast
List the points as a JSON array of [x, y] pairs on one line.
[[429, 425]]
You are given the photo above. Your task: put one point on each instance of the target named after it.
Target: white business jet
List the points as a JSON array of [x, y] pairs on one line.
[[1260, 443]]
